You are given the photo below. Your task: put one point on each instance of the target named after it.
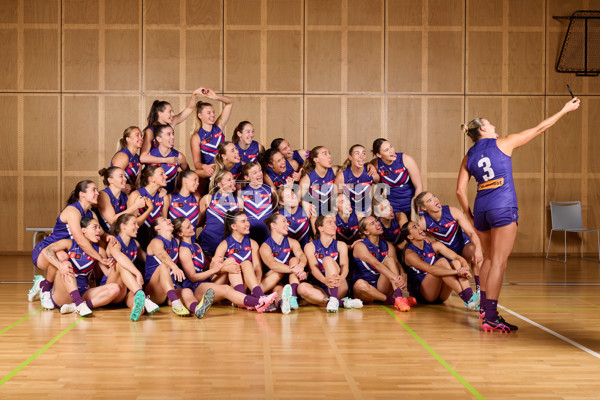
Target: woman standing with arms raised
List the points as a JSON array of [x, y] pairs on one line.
[[208, 132], [495, 212]]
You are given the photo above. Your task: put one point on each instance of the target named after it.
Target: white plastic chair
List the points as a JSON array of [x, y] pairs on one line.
[[566, 217]]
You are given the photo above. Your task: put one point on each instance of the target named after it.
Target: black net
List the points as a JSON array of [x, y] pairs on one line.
[[580, 51]]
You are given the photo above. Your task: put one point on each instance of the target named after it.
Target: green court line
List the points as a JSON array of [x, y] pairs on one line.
[[19, 321], [37, 353], [435, 355]]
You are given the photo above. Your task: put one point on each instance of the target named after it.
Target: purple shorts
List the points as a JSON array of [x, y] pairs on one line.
[[496, 218]]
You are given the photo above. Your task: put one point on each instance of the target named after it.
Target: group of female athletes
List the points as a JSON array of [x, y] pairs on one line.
[[277, 224]]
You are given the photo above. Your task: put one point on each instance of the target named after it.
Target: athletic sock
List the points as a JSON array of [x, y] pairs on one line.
[[279, 303], [294, 289], [257, 291], [250, 301], [466, 294], [491, 310], [46, 286], [333, 292], [482, 299], [172, 295], [89, 304], [398, 292], [477, 287], [240, 288], [193, 307], [389, 300], [76, 297]]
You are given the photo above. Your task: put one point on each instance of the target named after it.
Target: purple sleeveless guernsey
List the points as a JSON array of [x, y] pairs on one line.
[[298, 225], [184, 207], [258, 206], [366, 271], [280, 179], [320, 191], [157, 201], [281, 252], [321, 252], [199, 264], [170, 169], [236, 170], [214, 230], [358, 190], [492, 169], [298, 158], [131, 250], [414, 275], [392, 232], [239, 251], [209, 143], [119, 205], [132, 171], [82, 264], [446, 230], [347, 232], [397, 178], [152, 262], [250, 154]]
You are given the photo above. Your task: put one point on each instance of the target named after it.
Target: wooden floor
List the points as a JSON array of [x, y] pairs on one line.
[[434, 352]]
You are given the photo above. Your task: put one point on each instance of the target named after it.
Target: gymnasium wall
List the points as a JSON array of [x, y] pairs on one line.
[[76, 73]]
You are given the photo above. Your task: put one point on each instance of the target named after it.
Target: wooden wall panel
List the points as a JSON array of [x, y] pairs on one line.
[[8, 152], [564, 141], [8, 212], [484, 13], [203, 59], [9, 12], [41, 11], [80, 11], [42, 133], [284, 61], [445, 62], [526, 113], [8, 62], [526, 62], [489, 108], [404, 12], [323, 12], [593, 109], [41, 205], [81, 59], [444, 189], [80, 130], [204, 12], [404, 64], [242, 61], [120, 112], [323, 61], [122, 11], [444, 140], [243, 12], [323, 124], [365, 123], [122, 55], [365, 61], [484, 62], [526, 13], [285, 12], [365, 12], [284, 119], [41, 59], [405, 125], [161, 63], [161, 12], [531, 216]]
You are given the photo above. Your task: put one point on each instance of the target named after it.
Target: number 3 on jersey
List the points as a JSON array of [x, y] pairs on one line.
[[486, 164]]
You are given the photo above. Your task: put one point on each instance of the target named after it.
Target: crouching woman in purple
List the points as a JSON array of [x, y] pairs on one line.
[[203, 277], [431, 278], [238, 253], [125, 251], [72, 292], [163, 252], [328, 261], [495, 212], [378, 275], [283, 256]]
